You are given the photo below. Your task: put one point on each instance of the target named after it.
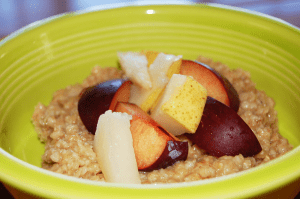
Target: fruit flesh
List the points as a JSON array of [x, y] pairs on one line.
[[174, 151], [133, 110], [161, 69], [113, 145], [148, 142], [179, 110], [216, 85], [135, 66], [154, 147]]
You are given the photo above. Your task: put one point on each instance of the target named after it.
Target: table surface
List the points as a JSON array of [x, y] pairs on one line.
[[15, 14]]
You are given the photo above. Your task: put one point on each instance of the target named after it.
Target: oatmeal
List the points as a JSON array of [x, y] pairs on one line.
[[69, 146]]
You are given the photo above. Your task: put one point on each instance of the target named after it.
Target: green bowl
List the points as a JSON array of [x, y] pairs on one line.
[[50, 54]]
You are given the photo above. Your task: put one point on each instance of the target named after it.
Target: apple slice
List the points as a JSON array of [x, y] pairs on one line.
[[95, 100], [161, 70], [216, 85], [121, 95], [154, 147], [113, 145], [135, 66], [223, 132], [180, 108]]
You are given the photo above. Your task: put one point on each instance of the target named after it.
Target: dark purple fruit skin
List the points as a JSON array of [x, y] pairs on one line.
[[231, 92], [223, 132], [95, 100], [173, 152]]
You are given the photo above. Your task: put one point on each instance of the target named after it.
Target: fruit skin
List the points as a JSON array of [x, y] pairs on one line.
[[217, 86], [122, 94], [95, 100], [223, 132], [180, 107], [173, 152], [154, 147]]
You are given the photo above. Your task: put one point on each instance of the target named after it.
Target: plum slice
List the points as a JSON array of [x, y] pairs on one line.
[[223, 132], [122, 94], [173, 152], [154, 147], [216, 85], [95, 100]]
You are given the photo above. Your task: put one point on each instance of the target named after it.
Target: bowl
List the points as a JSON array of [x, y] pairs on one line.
[[59, 51]]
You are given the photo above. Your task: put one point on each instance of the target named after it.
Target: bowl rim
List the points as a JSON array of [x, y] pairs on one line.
[[5, 156], [96, 8]]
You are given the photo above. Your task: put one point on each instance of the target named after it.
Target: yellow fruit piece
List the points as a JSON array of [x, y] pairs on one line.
[[151, 56], [180, 107], [174, 68], [161, 70], [186, 106], [152, 99]]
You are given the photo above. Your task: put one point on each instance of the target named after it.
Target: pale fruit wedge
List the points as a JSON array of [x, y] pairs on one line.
[[135, 66], [113, 145], [180, 108], [151, 56], [161, 70]]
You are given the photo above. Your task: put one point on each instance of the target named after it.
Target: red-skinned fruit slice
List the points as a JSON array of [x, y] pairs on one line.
[[173, 152], [154, 148], [134, 110], [95, 100], [122, 94], [216, 85], [223, 132], [137, 112]]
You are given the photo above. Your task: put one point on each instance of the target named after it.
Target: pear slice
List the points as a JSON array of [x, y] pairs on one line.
[[135, 66], [180, 108], [113, 145], [161, 70]]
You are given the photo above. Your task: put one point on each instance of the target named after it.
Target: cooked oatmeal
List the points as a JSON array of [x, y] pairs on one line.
[[69, 146]]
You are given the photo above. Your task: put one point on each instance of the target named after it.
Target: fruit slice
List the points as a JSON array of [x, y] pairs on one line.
[[151, 56], [216, 85], [122, 94], [113, 145], [133, 110], [173, 152], [161, 70], [223, 132], [154, 147], [180, 108], [135, 66], [95, 100]]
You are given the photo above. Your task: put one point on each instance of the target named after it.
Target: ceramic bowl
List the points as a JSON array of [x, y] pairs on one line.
[[59, 51]]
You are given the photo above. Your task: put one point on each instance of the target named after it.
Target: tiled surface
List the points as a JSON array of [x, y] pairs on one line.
[[15, 14]]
